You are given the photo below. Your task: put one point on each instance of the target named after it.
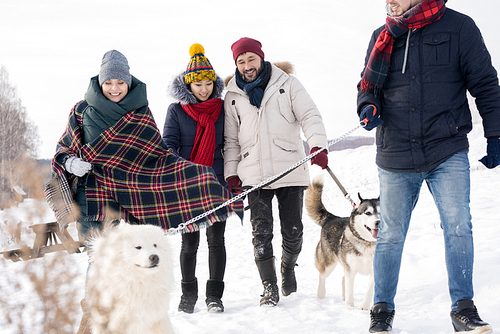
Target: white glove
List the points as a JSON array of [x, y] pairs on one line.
[[77, 166]]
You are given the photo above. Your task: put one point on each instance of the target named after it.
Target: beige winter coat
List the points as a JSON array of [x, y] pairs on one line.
[[260, 143]]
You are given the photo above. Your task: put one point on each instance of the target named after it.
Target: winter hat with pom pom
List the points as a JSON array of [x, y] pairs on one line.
[[199, 67]]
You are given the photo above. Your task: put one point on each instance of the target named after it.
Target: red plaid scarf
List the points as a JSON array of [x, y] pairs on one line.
[[205, 114], [377, 68]]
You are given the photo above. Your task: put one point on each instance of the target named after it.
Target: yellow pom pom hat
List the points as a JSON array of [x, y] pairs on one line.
[[199, 67]]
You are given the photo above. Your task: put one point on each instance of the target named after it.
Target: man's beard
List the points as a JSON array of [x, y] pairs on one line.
[[257, 74]]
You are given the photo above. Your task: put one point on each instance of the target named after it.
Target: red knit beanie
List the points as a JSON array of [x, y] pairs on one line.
[[246, 44]]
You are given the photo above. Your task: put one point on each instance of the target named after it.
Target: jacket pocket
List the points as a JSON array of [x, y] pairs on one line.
[[442, 127], [285, 146], [436, 49], [285, 106], [245, 150]]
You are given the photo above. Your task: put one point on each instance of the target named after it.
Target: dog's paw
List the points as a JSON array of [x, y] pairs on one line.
[[363, 307]]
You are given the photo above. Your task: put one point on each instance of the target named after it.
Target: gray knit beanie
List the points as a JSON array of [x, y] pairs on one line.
[[114, 65]]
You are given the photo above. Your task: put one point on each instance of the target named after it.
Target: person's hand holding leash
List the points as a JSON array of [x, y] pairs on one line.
[[369, 117], [320, 159], [492, 157], [234, 183]]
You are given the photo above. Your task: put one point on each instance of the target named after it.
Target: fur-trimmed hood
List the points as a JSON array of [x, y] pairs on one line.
[[285, 66], [181, 92]]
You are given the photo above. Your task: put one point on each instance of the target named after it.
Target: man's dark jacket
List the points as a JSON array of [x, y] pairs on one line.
[[425, 110]]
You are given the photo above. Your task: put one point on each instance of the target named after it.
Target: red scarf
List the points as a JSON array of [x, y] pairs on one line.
[[205, 114], [377, 68]]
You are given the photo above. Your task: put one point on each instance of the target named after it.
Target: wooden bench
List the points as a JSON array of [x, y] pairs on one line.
[[48, 238]]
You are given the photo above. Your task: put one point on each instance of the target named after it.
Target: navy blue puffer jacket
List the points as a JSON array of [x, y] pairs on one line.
[[179, 130], [425, 110]]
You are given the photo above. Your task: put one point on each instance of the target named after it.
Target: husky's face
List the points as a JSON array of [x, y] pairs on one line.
[[367, 218]]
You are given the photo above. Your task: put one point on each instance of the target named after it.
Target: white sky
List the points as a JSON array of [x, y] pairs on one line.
[[51, 48]]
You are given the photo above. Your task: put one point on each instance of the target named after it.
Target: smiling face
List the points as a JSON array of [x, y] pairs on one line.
[[114, 90], [249, 65], [202, 89], [144, 251], [399, 7]]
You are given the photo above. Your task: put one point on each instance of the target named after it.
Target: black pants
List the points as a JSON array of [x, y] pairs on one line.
[[290, 203], [216, 252]]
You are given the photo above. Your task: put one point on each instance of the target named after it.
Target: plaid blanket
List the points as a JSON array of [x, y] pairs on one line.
[[134, 174]]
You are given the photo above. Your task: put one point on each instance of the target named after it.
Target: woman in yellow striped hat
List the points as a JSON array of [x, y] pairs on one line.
[[194, 129]]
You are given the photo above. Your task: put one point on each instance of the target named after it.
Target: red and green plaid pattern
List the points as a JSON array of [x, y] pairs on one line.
[[377, 68], [134, 173]]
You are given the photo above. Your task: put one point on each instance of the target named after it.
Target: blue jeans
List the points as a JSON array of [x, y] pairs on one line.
[[449, 184]]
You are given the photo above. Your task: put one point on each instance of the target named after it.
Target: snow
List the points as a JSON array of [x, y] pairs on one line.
[[422, 302]]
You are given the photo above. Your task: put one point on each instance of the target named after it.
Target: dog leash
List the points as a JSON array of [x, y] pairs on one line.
[[342, 189], [182, 226]]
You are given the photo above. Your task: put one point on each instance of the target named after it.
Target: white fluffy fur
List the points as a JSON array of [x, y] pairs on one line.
[[126, 292]]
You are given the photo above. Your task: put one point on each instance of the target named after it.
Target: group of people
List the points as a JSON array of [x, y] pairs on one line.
[[113, 162]]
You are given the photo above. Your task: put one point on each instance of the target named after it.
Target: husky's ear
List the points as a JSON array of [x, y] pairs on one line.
[[359, 200]]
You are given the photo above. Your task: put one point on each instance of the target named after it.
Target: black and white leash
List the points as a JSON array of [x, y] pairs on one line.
[[342, 189], [182, 226]]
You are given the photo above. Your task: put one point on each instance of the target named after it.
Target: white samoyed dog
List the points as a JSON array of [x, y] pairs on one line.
[[129, 280]]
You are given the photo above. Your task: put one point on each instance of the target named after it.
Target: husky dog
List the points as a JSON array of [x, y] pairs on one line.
[[349, 241], [129, 280]]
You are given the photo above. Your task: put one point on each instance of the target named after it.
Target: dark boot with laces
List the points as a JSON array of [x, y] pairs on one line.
[[267, 271], [270, 296], [467, 320], [381, 319]]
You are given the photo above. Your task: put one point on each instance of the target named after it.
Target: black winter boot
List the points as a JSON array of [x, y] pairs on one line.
[[288, 281], [215, 288], [467, 320], [189, 296], [270, 296], [267, 271], [381, 319]]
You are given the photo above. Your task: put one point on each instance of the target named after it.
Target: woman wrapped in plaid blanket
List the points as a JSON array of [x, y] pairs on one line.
[[111, 160]]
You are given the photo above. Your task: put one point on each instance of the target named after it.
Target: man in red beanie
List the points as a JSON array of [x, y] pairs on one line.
[[266, 109]]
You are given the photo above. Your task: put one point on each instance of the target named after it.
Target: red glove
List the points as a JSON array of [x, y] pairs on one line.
[[234, 182], [320, 159]]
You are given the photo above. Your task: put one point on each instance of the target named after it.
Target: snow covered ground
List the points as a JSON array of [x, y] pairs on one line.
[[422, 301]]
